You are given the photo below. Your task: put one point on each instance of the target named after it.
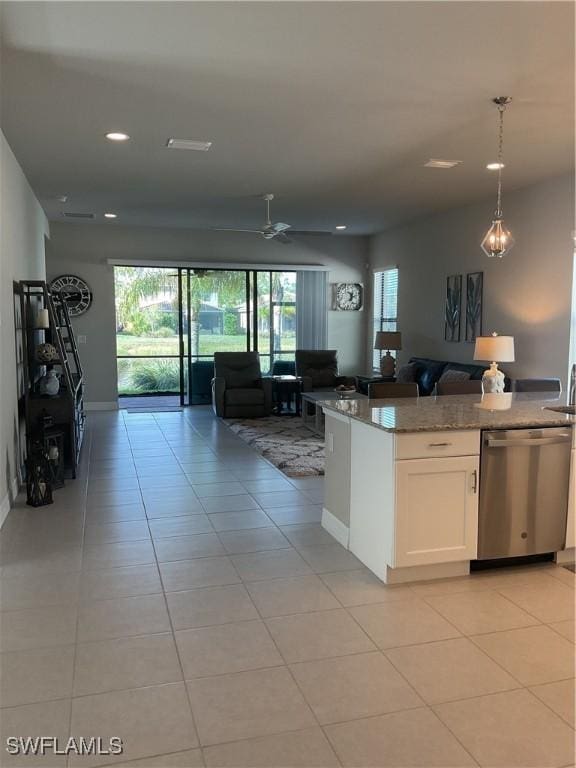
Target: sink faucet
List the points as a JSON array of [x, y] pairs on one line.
[[572, 398]]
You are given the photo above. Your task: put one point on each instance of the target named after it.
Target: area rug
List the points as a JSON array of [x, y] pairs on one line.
[[285, 442]]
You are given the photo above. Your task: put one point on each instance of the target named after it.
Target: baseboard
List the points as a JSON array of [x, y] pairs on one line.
[[566, 556], [111, 406], [335, 527], [6, 503], [427, 572]]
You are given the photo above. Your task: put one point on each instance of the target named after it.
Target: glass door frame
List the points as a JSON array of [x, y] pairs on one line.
[[185, 275]]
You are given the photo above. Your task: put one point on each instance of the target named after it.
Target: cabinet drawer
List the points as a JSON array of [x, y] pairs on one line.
[[423, 445]]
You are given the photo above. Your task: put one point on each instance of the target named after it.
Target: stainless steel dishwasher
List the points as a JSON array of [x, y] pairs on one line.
[[524, 479]]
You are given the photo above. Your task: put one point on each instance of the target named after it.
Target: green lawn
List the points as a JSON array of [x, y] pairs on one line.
[[130, 371], [209, 343]]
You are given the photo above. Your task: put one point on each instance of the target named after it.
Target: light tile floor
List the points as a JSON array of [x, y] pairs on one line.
[[182, 595]]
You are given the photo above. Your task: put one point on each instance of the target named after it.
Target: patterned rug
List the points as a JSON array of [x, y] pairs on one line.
[[291, 447]]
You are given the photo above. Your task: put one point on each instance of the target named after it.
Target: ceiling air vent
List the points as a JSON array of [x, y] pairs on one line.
[[71, 215], [435, 162], [189, 144]]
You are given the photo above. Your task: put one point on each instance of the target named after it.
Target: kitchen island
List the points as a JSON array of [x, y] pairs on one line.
[[403, 477]]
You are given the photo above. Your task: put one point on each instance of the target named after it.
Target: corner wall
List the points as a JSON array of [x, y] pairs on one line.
[[84, 249], [527, 294], [22, 235]]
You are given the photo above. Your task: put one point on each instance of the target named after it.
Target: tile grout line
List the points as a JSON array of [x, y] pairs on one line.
[[178, 656], [75, 651]]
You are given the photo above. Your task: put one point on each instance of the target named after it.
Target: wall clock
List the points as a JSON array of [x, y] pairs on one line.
[[348, 296], [76, 292]]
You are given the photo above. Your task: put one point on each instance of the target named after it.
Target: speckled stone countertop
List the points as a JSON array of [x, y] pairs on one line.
[[435, 414]]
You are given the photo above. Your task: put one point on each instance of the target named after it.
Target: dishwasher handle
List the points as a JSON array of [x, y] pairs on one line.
[[528, 443]]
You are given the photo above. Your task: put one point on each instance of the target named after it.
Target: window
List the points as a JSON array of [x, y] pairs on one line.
[[385, 315]]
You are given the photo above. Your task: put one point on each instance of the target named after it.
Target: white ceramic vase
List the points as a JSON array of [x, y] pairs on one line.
[[50, 384]]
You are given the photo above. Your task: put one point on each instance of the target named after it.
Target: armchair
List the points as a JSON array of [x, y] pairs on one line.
[[319, 369], [238, 389]]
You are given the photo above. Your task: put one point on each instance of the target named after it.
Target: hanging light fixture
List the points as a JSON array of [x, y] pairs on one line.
[[498, 240]]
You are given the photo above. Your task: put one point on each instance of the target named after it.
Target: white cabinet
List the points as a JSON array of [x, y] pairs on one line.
[[436, 510], [336, 508], [571, 522], [414, 518]]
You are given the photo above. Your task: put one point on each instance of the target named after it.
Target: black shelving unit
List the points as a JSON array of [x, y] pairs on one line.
[[67, 407]]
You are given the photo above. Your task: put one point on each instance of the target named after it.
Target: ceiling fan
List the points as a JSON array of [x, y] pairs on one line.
[[271, 230]]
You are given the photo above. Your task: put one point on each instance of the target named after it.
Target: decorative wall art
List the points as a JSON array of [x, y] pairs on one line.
[[347, 297], [453, 305], [474, 290]]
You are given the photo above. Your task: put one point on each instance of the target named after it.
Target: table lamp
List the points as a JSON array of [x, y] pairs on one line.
[[388, 340], [497, 349]]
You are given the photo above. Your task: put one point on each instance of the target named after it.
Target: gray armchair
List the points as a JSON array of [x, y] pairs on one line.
[[238, 389], [319, 369]]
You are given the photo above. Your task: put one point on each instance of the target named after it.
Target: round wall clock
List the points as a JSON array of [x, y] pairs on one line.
[[348, 296], [76, 292]]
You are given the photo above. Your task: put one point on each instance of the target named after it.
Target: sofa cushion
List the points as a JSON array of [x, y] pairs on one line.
[[239, 396], [241, 370], [321, 377], [318, 365], [427, 373], [451, 375], [406, 374]]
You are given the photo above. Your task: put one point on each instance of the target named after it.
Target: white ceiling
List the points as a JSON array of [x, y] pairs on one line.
[[332, 106]]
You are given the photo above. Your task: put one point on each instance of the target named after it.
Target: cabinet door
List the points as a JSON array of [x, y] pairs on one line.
[[571, 521], [436, 510]]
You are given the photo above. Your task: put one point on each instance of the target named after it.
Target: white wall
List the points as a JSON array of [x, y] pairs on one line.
[[84, 249], [527, 294], [22, 232]]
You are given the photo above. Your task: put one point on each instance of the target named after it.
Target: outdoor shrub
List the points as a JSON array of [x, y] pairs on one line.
[[157, 376], [164, 332], [230, 323]]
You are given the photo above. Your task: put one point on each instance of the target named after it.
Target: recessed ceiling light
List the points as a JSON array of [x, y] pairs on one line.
[[495, 166], [117, 136], [341, 226], [190, 144], [62, 198], [110, 215], [436, 163]]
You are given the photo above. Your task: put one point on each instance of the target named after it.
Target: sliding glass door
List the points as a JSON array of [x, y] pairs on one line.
[[147, 334], [170, 321]]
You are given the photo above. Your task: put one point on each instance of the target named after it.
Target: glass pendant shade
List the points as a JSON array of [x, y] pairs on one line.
[[498, 241]]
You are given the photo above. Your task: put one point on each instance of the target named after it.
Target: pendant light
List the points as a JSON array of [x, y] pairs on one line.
[[498, 240]]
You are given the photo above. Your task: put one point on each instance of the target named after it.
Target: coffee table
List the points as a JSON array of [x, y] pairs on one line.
[[312, 413]]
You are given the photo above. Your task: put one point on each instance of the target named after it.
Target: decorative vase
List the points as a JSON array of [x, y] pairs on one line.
[[49, 384], [493, 380]]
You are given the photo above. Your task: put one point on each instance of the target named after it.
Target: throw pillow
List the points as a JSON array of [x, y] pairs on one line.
[[406, 374], [451, 375]]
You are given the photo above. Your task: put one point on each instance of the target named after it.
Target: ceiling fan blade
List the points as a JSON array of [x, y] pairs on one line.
[[280, 227], [233, 229], [282, 238], [310, 232]]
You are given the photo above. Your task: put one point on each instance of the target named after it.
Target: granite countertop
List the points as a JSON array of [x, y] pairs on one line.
[[434, 414]]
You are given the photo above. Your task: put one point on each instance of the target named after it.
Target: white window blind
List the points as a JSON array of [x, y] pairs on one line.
[[385, 308]]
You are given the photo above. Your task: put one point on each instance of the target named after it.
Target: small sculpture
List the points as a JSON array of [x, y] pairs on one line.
[[46, 353]]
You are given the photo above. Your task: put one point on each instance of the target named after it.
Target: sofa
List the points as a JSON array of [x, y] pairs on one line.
[[319, 370], [427, 372], [238, 388]]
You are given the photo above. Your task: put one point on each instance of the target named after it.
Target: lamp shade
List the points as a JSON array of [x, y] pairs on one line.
[[388, 340], [498, 349]]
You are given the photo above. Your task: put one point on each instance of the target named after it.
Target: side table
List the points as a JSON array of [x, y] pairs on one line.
[[284, 388]]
